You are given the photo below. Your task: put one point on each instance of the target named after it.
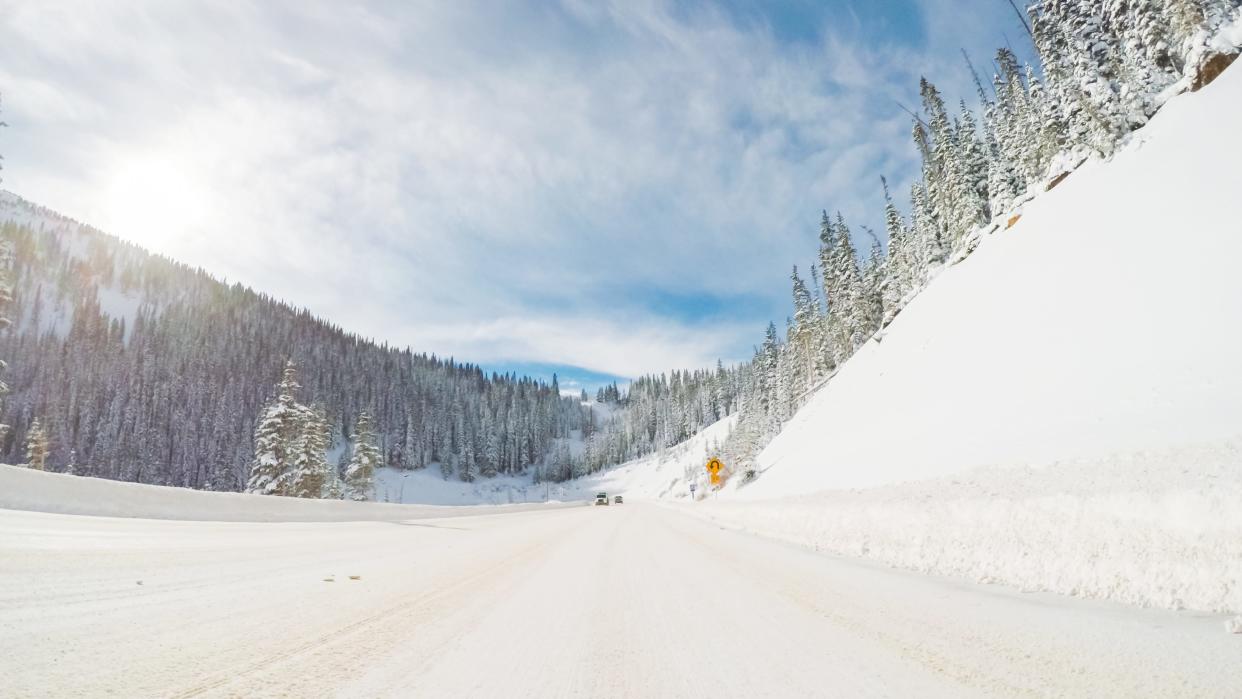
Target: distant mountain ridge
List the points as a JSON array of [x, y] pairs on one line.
[[148, 370]]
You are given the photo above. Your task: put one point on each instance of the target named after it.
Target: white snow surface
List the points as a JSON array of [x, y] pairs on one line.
[[1161, 528], [629, 601], [40, 491]]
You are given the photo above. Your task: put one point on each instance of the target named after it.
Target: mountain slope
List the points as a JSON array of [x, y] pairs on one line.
[[150, 371], [1104, 320]]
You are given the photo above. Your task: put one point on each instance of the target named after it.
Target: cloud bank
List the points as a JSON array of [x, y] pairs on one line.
[[618, 186]]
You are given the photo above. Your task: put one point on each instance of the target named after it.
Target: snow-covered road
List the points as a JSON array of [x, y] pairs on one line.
[[636, 600]]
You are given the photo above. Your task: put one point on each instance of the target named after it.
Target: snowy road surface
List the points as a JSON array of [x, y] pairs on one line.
[[637, 600]]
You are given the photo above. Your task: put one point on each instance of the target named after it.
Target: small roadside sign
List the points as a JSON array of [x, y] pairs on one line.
[[714, 467]]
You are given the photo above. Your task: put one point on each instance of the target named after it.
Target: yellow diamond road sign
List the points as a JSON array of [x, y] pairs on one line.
[[714, 467]]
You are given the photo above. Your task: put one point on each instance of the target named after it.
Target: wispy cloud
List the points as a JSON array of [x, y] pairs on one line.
[[495, 182]]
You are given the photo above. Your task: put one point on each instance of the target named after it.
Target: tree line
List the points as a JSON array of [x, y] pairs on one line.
[[141, 369]]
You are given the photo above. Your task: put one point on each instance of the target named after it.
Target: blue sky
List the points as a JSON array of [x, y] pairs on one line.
[[595, 188]]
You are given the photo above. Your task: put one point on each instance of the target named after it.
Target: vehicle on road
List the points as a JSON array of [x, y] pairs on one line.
[[601, 498], [618, 500]]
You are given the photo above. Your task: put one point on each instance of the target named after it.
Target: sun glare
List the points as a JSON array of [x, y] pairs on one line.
[[152, 202]]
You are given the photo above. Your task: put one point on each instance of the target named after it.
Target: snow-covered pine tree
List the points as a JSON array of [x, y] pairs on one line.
[[973, 164], [312, 474], [852, 307], [1187, 20], [926, 242], [364, 459], [831, 331], [942, 167], [334, 486], [6, 298], [1143, 48], [275, 437], [490, 457], [37, 446], [1093, 57], [821, 355], [805, 329], [874, 279], [900, 273], [785, 390], [1006, 136], [766, 370]]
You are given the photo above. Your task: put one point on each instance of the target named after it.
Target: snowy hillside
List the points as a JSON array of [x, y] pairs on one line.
[[666, 473], [143, 369], [52, 312], [1103, 321], [1060, 411]]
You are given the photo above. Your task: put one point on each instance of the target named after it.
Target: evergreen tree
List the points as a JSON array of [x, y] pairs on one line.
[[767, 368], [851, 308], [364, 459], [901, 275], [312, 474], [874, 280], [6, 298], [973, 164], [36, 446], [272, 469], [805, 334]]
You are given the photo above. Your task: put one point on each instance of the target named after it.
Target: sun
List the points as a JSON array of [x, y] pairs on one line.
[[153, 202]]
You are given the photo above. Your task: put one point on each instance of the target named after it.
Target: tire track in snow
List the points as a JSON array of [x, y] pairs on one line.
[[455, 587]]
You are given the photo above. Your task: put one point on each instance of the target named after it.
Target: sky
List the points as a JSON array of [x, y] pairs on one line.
[[597, 189]]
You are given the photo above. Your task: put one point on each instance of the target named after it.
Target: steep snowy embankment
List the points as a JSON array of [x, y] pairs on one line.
[[1106, 320], [1061, 411]]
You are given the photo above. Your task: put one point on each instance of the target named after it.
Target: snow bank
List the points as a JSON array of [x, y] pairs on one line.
[[24, 489], [1152, 529]]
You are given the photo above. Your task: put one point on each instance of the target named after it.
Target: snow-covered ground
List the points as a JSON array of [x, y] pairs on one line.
[[428, 486], [622, 601], [38, 491], [1061, 411]]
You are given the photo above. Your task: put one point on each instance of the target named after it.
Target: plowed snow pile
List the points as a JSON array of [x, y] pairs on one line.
[[1063, 409]]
